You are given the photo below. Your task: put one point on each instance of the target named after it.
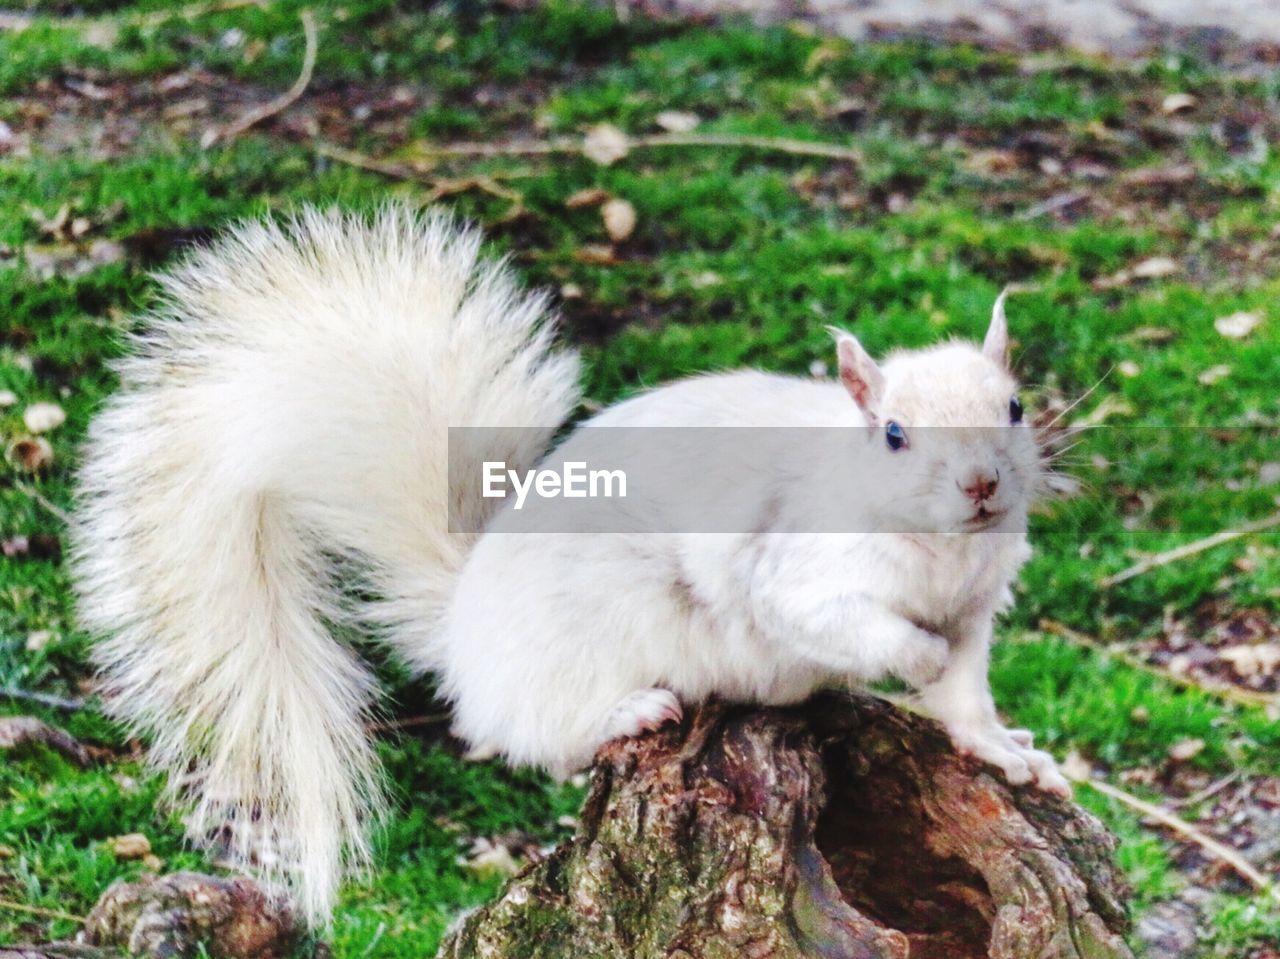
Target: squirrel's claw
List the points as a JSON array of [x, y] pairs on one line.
[[643, 711], [1010, 750]]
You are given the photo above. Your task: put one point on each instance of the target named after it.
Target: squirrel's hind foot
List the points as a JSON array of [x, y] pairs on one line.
[[643, 711]]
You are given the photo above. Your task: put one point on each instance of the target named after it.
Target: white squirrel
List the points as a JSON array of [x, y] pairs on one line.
[[287, 403]]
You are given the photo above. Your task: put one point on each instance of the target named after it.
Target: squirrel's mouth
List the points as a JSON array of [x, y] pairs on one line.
[[984, 519]]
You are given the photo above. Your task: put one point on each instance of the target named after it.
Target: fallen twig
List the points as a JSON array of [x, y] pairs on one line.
[[280, 103], [104, 31], [52, 508], [1183, 828], [439, 188], [1061, 201], [191, 11], [412, 722], [399, 171], [1190, 549], [1208, 792], [813, 148], [42, 699], [488, 183], [18, 731], [40, 911], [1234, 694]]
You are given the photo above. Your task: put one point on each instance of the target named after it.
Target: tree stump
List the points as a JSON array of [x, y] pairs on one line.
[[841, 828]]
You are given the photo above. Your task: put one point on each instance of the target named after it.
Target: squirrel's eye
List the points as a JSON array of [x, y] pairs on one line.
[[1015, 410], [895, 435]]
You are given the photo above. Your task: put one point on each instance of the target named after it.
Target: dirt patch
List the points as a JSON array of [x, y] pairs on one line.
[[1222, 29]]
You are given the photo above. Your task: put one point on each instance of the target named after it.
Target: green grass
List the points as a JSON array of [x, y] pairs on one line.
[[740, 258]]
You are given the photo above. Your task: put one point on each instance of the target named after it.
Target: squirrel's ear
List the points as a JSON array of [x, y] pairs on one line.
[[996, 345], [858, 372]]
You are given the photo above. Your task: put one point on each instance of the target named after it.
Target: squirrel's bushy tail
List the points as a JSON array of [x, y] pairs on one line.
[[287, 405]]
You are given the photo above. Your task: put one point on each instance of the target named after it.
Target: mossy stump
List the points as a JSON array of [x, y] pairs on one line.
[[183, 915], [844, 827]]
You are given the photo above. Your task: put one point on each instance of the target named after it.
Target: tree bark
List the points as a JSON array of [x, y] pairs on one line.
[[841, 828]]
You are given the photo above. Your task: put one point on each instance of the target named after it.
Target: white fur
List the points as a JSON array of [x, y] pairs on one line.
[[291, 401], [769, 615]]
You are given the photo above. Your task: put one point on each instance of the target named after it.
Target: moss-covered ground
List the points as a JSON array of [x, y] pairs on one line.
[[1130, 221]]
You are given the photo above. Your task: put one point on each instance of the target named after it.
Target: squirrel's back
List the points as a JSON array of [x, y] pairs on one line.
[[287, 402]]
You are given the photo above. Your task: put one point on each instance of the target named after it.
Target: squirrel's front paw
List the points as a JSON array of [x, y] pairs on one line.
[[1012, 752], [923, 659]]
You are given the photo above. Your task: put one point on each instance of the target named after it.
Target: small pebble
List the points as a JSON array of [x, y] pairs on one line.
[[42, 417], [132, 846]]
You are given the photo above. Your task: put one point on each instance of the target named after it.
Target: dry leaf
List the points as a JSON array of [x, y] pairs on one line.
[[88, 89], [1160, 176], [1252, 660], [1185, 749], [1150, 334], [1213, 374], [50, 225], [595, 254], [186, 108], [1237, 325], [591, 196], [38, 640], [605, 144], [72, 260], [822, 53], [1110, 406], [619, 218], [31, 454], [991, 161], [1076, 767], [43, 417], [174, 82], [677, 121], [487, 856], [570, 291], [1155, 268], [1178, 103], [132, 846]]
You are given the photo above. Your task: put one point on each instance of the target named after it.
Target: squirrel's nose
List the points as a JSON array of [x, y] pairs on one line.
[[982, 485]]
